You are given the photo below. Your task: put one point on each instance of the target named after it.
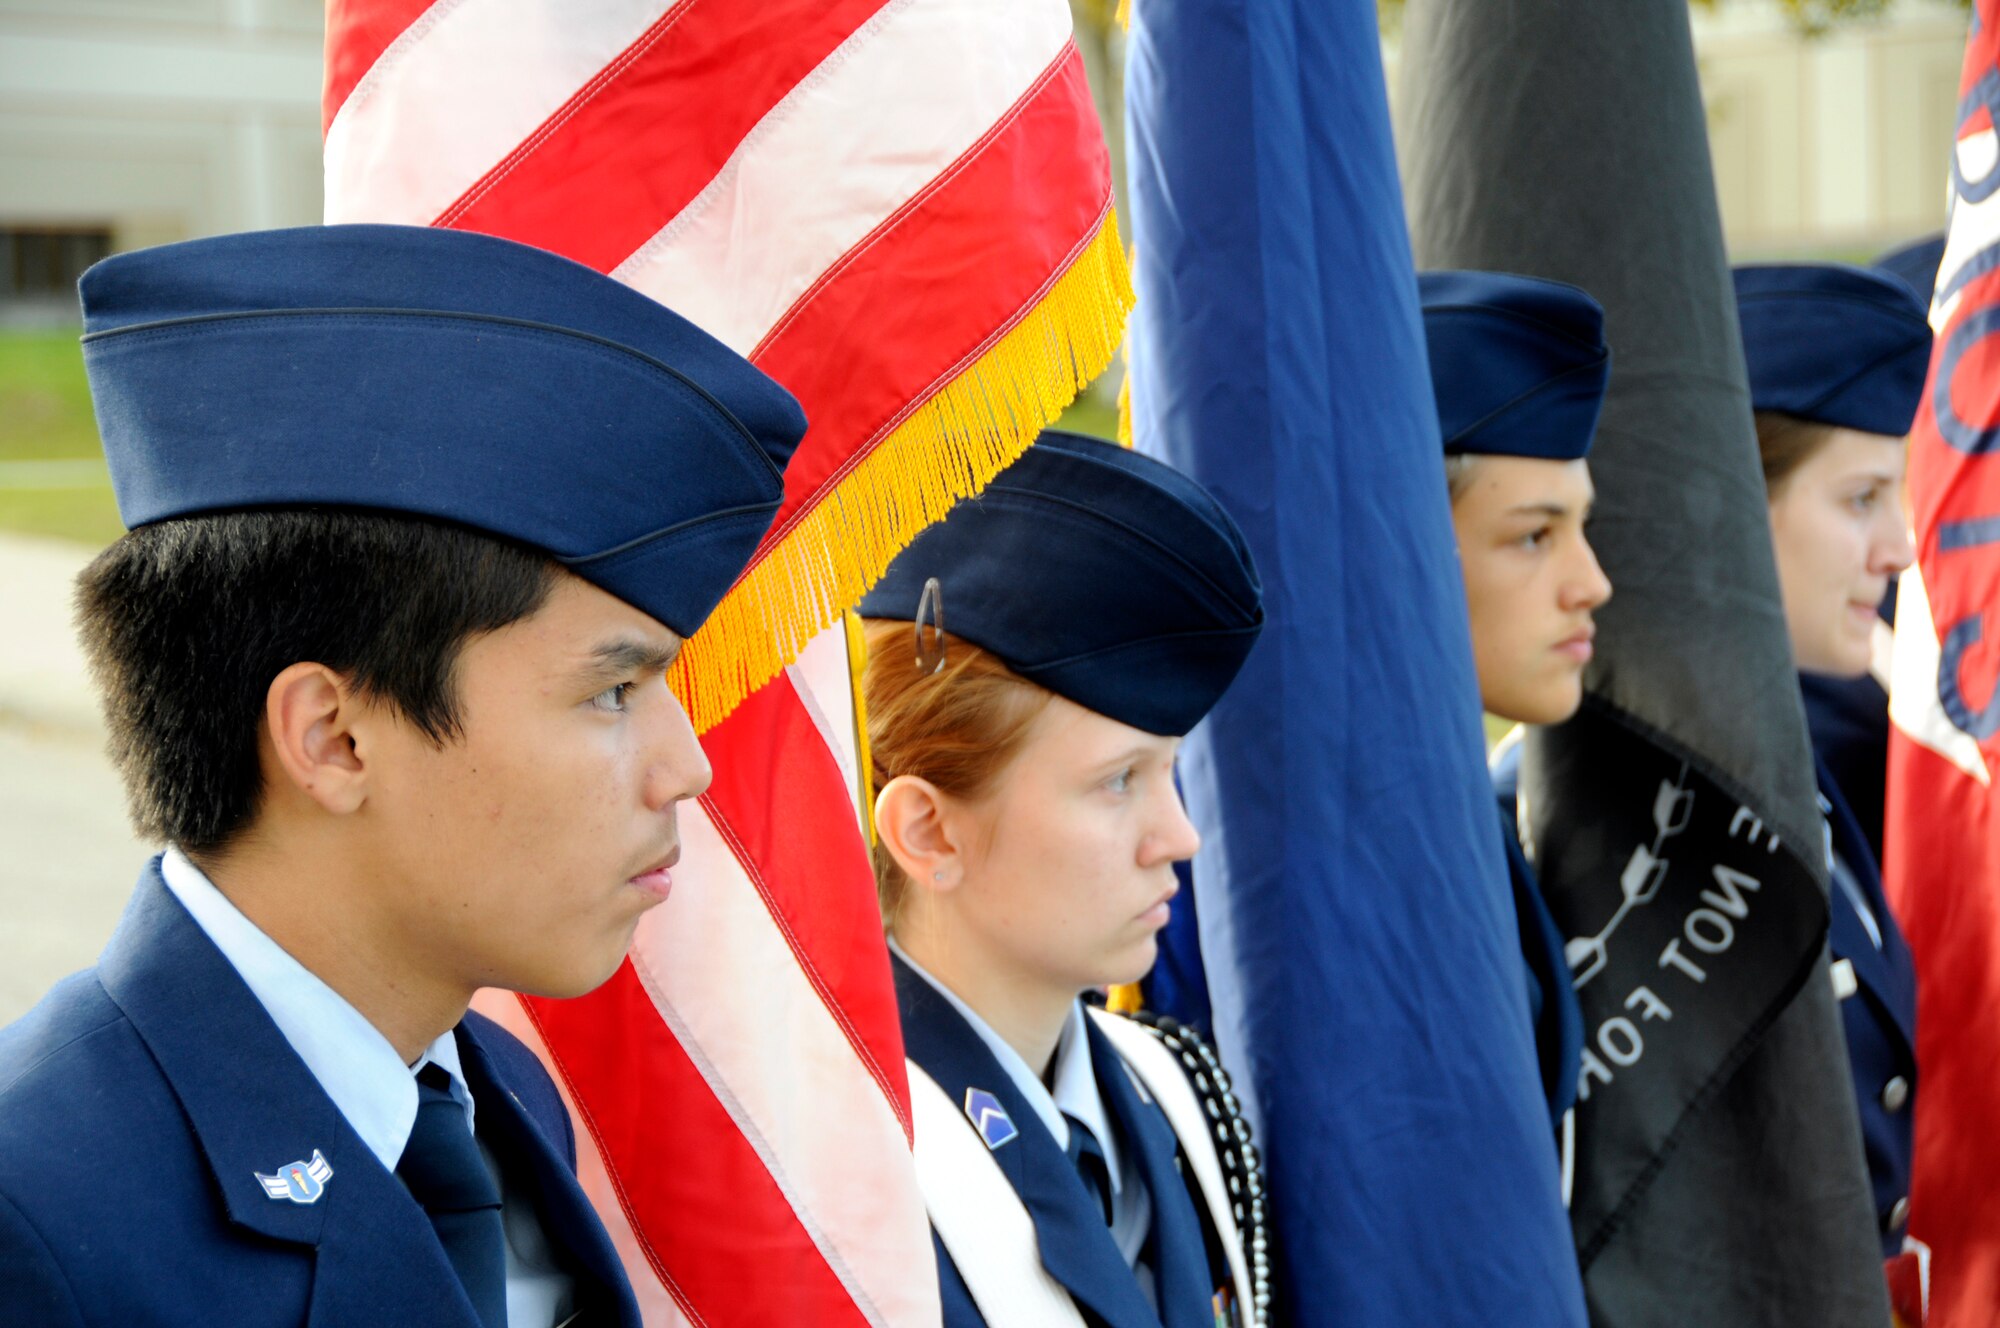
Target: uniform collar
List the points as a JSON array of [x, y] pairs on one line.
[[354, 1064], [1076, 1094]]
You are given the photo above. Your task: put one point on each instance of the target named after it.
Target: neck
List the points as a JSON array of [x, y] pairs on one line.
[[306, 902], [1027, 1011]]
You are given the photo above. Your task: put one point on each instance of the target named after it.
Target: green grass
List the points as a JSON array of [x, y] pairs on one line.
[[1088, 414], [45, 416]]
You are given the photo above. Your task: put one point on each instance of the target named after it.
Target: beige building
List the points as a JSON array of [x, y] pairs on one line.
[[133, 122], [1836, 144]]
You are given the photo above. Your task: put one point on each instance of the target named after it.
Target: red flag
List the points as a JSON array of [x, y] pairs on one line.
[[901, 211], [1942, 829]]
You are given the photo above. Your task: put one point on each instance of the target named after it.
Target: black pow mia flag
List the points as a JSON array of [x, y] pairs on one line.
[[1691, 923], [1718, 1175]]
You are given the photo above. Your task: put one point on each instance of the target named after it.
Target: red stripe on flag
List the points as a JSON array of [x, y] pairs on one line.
[[781, 802], [939, 282], [673, 1151], [597, 179], [357, 32], [1944, 854]]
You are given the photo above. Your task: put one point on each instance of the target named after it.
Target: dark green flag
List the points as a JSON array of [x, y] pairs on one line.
[[1718, 1169]]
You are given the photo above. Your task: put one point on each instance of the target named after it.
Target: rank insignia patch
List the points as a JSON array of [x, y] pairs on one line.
[[988, 1117], [301, 1182]]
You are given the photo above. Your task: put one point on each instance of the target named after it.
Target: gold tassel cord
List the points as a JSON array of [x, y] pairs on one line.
[[864, 759], [1125, 438], [946, 450]]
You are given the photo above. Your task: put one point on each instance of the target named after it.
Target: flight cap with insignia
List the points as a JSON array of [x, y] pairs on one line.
[[1518, 364], [1105, 576], [1833, 344], [445, 375]]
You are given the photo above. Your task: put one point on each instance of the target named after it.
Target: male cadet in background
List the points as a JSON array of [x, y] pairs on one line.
[[1519, 367], [418, 519]]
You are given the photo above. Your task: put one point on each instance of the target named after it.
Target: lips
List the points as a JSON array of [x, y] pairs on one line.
[[1157, 913], [658, 879], [1578, 645]]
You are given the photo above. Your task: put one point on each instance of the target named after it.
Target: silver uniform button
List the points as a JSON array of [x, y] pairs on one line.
[[1895, 1094], [1899, 1213]]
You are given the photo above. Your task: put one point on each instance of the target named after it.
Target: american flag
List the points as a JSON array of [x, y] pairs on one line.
[[902, 212], [1941, 833]]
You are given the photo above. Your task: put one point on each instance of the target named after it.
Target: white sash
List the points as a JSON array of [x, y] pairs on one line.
[[981, 1220], [1161, 1074]]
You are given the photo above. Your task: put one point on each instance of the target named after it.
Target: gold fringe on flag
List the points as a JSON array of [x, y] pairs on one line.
[[947, 448]]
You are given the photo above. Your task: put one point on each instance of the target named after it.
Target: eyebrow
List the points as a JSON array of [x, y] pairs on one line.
[[1543, 509], [1130, 756], [617, 659]]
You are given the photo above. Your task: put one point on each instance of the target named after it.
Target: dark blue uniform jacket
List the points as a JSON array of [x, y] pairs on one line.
[[1880, 1018], [140, 1100], [1076, 1245], [1552, 1003]]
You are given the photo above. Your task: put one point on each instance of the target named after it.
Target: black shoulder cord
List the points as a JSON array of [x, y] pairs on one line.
[[1241, 1170]]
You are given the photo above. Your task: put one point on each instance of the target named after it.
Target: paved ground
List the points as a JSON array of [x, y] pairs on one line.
[[67, 858]]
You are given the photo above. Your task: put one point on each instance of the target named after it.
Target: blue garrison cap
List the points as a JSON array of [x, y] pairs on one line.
[[1519, 365], [1915, 265], [1833, 344], [438, 374], [1105, 576]]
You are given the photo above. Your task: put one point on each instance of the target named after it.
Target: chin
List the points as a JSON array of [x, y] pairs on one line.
[[1551, 707], [1853, 658], [1133, 965], [570, 980]]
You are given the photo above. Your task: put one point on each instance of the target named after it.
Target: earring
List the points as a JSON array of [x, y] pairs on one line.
[[938, 875]]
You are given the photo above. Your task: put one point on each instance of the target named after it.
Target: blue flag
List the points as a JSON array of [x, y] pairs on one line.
[[1361, 950]]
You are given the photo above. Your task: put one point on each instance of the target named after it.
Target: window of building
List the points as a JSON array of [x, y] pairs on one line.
[[40, 262]]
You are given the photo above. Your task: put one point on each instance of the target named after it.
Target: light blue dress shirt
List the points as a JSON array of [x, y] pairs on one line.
[[366, 1079], [1074, 1096]]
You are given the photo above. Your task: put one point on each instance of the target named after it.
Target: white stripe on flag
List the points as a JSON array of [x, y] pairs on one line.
[[657, 1307], [458, 91], [1914, 706], [880, 118], [825, 686], [787, 1074]]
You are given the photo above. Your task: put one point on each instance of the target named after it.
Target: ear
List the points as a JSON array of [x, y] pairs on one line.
[[309, 714], [913, 821]]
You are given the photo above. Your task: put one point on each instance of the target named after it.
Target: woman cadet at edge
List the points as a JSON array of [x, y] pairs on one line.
[[1837, 357], [1098, 603]]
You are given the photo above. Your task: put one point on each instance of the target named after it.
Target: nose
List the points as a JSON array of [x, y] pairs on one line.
[[1587, 587], [676, 766], [1893, 551], [1174, 839]]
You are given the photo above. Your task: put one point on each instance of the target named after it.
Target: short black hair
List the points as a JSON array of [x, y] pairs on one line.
[[186, 622]]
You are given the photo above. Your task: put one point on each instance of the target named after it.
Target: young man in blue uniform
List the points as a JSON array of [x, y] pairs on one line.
[[1520, 367], [1837, 358], [418, 519]]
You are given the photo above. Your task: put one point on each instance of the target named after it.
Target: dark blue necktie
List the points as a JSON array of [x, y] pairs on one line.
[[1088, 1159], [443, 1171]]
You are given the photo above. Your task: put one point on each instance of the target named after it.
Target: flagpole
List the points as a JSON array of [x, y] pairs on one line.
[[1719, 1171]]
